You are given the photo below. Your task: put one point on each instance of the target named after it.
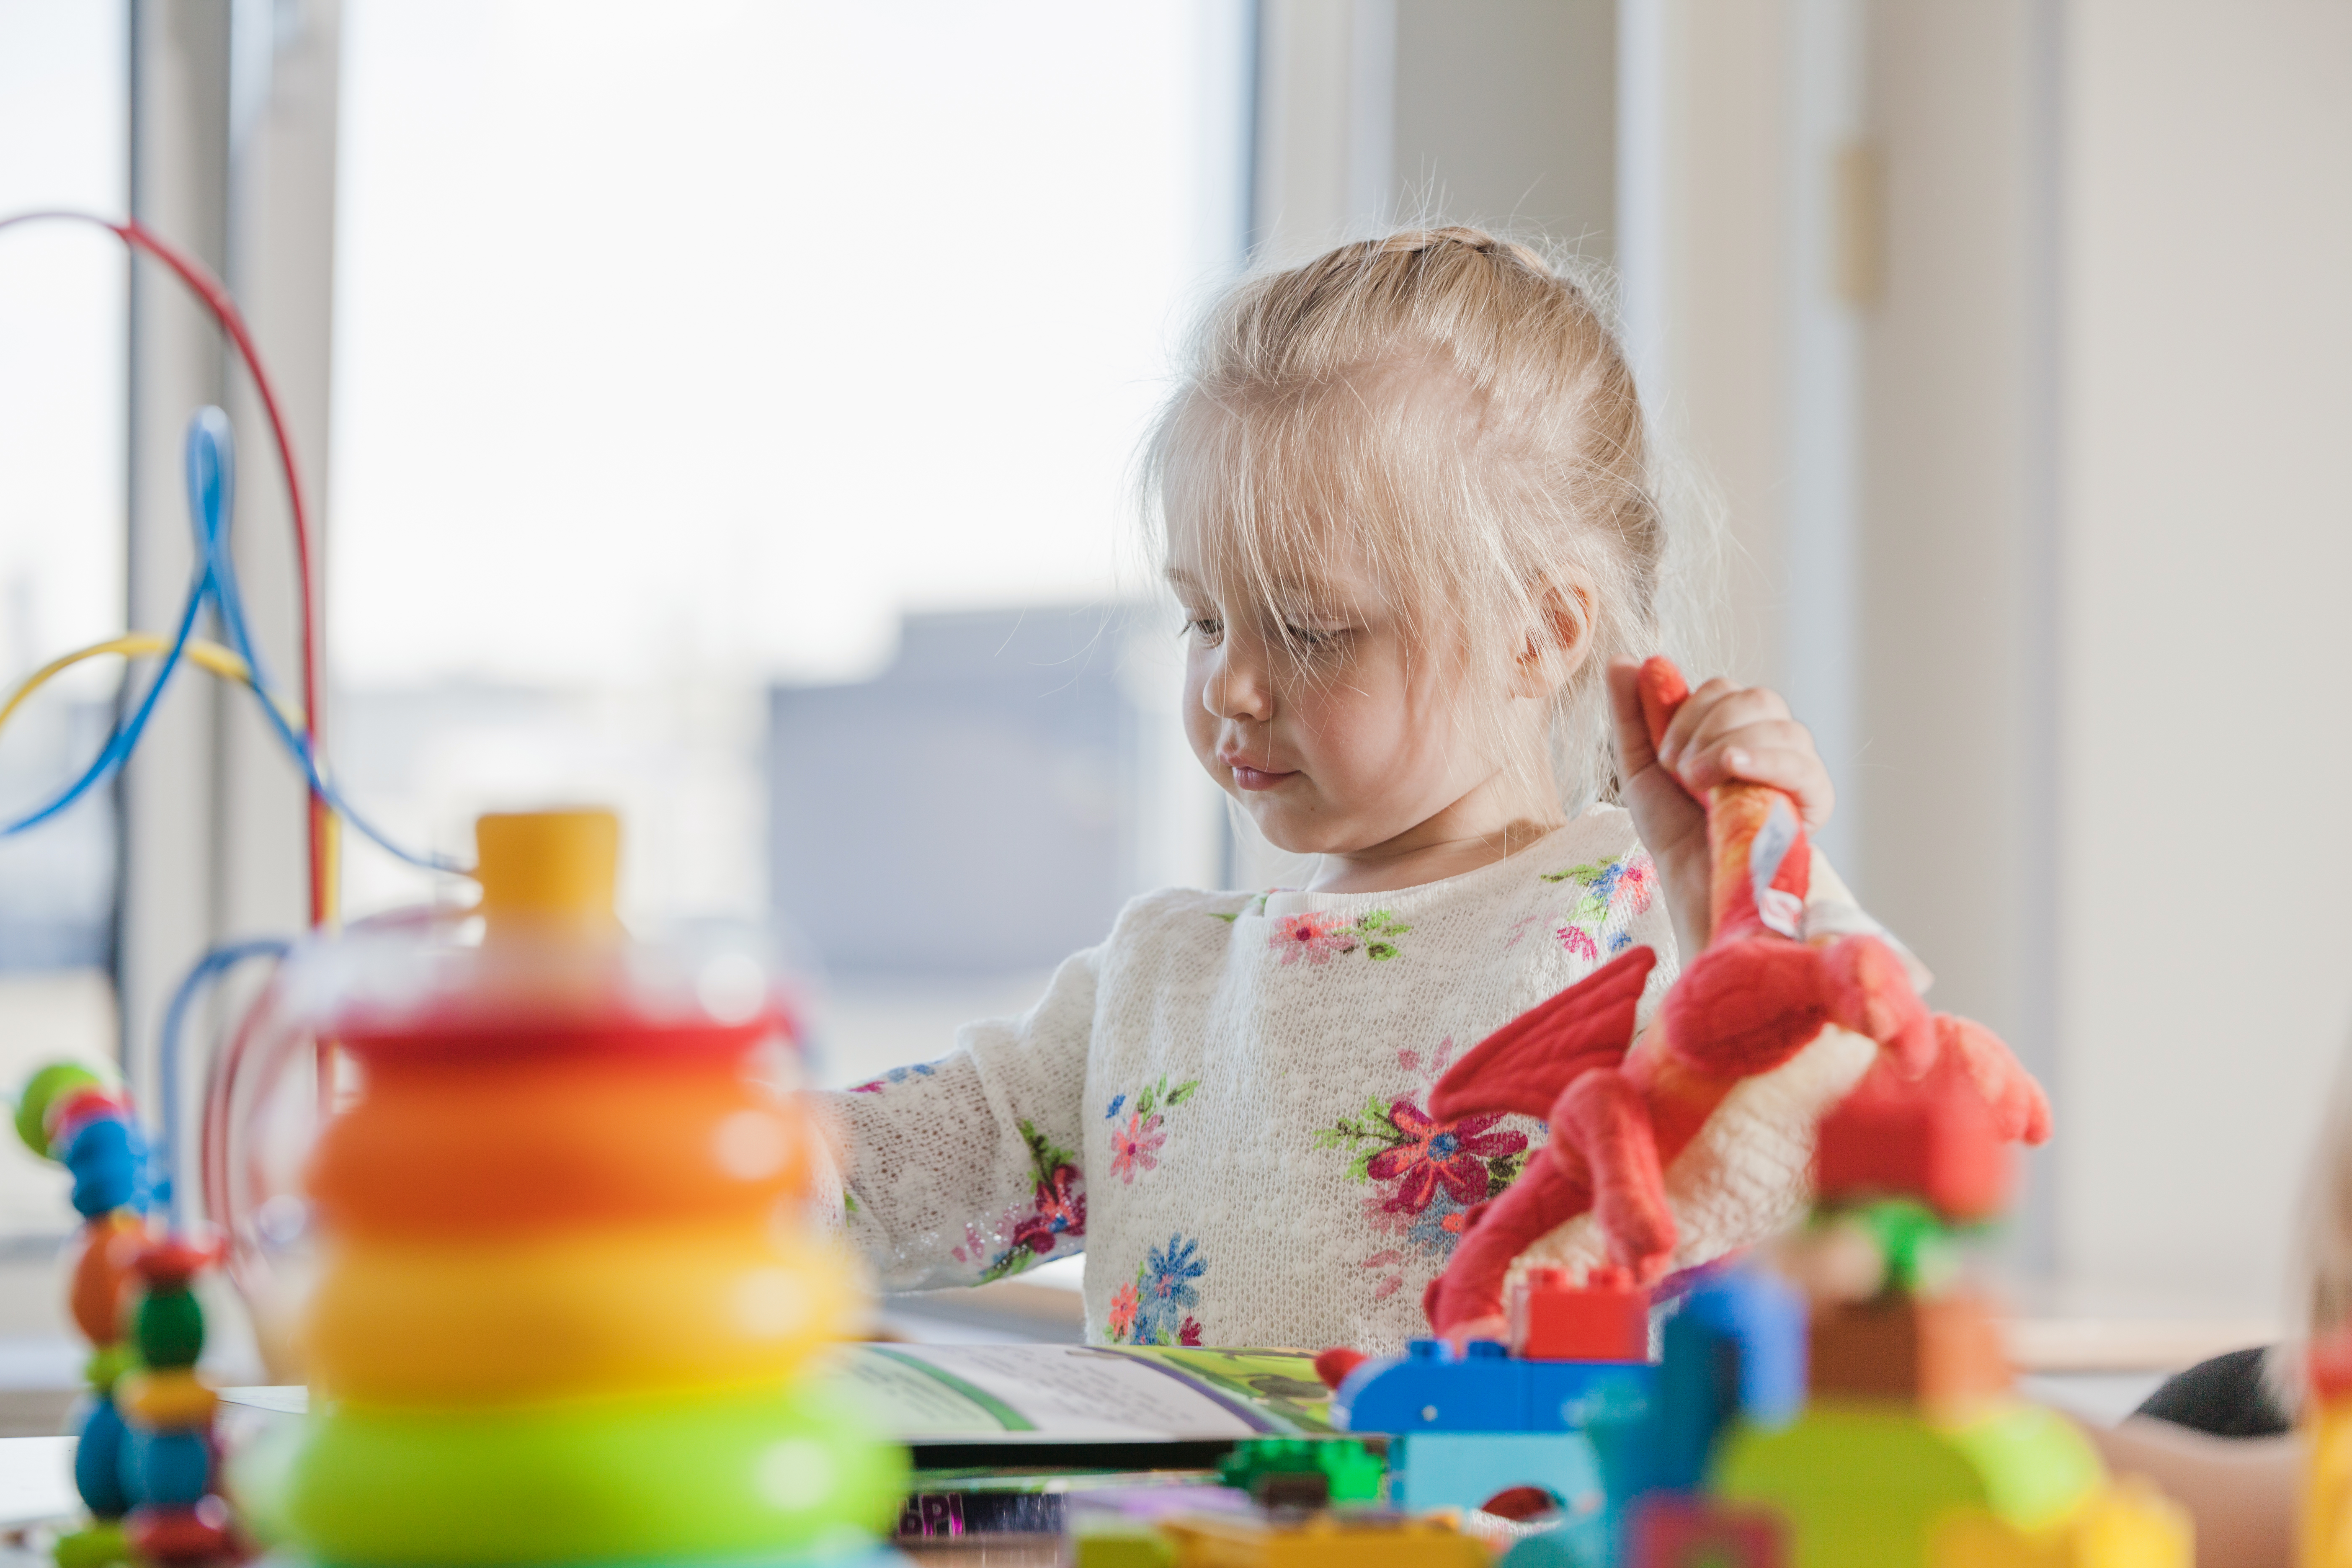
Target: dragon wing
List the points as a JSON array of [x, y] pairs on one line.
[[1524, 1064]]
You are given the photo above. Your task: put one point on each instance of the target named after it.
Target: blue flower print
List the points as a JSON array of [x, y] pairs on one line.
[[1154, 1309], [894, 1077]]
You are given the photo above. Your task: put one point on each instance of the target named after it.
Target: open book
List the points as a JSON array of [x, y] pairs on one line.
[[1051, 1395]]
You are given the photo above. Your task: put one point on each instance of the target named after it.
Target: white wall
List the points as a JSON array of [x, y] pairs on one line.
[[2207, 552], [2097, 526]]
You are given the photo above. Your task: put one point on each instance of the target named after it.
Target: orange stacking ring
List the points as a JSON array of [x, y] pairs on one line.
[[664, 1309], [515, 1146]]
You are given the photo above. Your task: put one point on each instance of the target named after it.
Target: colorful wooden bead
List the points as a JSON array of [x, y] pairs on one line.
[[167, 1470], [102, 1272], [100, 1438], [195, 1535], [43, 1090], [166, 1400], [109, 1160], [168, 1327]]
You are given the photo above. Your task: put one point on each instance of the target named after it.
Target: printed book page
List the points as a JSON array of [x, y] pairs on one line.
[[1056, 1393]]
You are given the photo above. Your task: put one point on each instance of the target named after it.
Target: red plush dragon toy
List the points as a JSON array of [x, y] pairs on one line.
[[1695, 1139]]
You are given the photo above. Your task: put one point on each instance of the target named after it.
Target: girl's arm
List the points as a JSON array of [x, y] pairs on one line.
[[2242, 1492], [965, 1169]]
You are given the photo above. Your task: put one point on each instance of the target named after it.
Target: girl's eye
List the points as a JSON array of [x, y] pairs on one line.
[[1307, 639], [1207, 628]]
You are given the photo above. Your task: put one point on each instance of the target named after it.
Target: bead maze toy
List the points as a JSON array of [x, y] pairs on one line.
[[144, 1458]]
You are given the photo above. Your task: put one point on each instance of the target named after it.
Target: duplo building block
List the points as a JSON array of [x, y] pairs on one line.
[[2327, 1465], [1669, 1530], [2129, 1524], [1307, 1472], [1342, 1540], [1869, 1486], [1735, 1348], [1607, 1318], [1939, 1353], [1486, 1390], [1467, 1470], [1933, 1140], [1111, 1540]]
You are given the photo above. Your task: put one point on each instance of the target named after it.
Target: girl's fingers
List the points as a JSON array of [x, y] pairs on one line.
[[1635, 751], [1795, 769], [1689, 716], [1733, 710]]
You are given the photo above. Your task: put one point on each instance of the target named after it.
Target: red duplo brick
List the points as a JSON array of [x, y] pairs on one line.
[[1606, 1318], [1933, 1140]]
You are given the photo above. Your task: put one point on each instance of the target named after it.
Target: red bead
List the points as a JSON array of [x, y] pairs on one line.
[[182, 1535], [171, 1263]]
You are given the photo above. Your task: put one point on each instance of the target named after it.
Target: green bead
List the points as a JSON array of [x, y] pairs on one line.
[[99, 1545], [41, 1092], [106, 1364], [170, 1328]]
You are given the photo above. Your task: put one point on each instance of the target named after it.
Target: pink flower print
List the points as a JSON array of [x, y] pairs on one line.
[[1190, 1335], [1636, 880], [1453, 1154], [1136, 1144], [1579, 941], [1519, 928], [1316, 936], [1124, 1303]]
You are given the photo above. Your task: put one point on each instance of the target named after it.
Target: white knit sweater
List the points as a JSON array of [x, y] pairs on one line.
[[1223, 1104]]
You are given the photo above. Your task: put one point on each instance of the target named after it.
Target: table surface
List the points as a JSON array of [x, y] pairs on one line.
[[36, 1488]]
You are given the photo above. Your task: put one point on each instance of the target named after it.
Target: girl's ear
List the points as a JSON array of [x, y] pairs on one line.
[[1557, 643]]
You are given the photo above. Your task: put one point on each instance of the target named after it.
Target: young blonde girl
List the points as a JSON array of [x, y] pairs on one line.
[[1403, 495]]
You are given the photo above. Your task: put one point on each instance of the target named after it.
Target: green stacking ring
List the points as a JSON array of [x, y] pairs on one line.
[[745, 1476]]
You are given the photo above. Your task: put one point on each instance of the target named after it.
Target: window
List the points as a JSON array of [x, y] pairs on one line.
[[682, 350], [63, 79]]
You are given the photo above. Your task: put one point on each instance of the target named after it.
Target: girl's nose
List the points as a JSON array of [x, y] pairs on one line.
[[1236, 689]]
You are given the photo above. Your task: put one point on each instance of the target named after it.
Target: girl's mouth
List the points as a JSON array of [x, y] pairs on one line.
[[1246, 777]]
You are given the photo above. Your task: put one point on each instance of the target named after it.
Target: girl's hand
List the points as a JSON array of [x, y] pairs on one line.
[[1721, 733]]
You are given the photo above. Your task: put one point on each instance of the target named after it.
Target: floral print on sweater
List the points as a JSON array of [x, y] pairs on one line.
[[1425, 1174], [1136, 1142], [1319, 936], [1302, 1192], [1608, 897], [1156, 1308], [1057, 1212]]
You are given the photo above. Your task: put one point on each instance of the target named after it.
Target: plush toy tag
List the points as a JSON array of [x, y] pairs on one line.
[[1781, 910]]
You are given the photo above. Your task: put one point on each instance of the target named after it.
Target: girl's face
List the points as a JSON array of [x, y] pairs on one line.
[[1314, 715]]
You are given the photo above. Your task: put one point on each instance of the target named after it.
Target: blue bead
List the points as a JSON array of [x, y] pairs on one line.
[[1425, 1350], [1485, 1350], [168, 1469], [106, 1158], [98, 1458]]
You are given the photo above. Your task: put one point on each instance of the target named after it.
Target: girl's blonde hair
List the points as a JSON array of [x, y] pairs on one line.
[[1462, 411]]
